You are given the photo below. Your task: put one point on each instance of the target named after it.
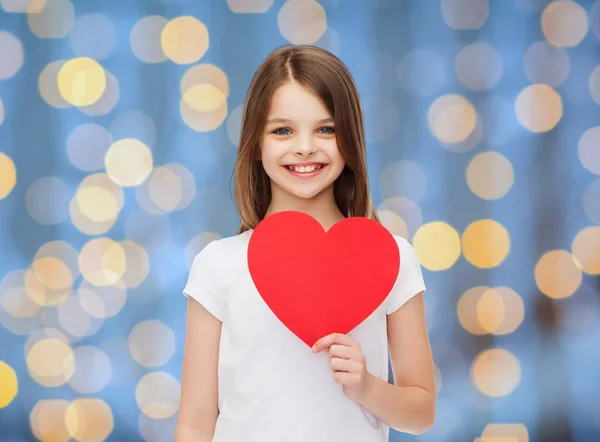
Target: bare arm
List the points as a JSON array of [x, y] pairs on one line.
[[198, 408], [409, 405]]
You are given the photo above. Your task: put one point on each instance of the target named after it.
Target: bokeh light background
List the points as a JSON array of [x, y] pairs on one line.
[[119, 124]]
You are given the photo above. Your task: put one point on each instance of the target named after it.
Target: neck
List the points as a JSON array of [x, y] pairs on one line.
[[321, 207]]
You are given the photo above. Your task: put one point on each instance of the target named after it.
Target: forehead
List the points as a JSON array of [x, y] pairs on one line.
[[293, 101]]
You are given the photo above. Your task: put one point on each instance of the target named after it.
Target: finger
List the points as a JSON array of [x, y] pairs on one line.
[[341, 351], [343, 365], [333, 338], [344, 378]]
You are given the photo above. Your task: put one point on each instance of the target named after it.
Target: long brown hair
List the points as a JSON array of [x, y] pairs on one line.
[[327, 77]]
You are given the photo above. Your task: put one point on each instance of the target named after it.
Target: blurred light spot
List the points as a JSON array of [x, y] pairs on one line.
[[490, 175], [485, 243], [202, 121], [137, 266], [13, 295], [302, 22], [421, 73], [48, 85], [62, 251], [465, 14], [589, 150], [81, 81], [89, 419], [152, 343], [564, 23], [157, 430], [83, 208], [165, 188], [539, 108], [490, 310], [437, 245], [145, 39], [52, 273], [42, 294], [467, 310], [249, 6], [394, 223], [479, 66], [204, 97], [591, 201], [55, 20], [594, 82], [87, 145], [158, 394], [558, 274], [498, 119], [202, 74], [152, 232], [185, 40], [128, 162], [505, 432], [406, 209], [496, 372], [108, 100], [47, 200], [451, 118], [513, 310], [586, 248], [381, 118], [93, 35], [234, 124], [44, 334], [102, 302], [11, 54], [403, 178], [197, 244], [9, 383], [74, 319], [330, 41], [48, 420], [51, 362], [8, 175], [23, 6], [134, 124], [547, 63], [102, 262], [93, 370]]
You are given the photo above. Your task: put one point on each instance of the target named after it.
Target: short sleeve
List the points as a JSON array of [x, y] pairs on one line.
[[410, 278], [203, 281]]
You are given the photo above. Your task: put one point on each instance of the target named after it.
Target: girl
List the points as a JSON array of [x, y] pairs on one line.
[[247, 378]]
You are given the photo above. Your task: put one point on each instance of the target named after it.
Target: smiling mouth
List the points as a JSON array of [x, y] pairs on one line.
[[304, 169]]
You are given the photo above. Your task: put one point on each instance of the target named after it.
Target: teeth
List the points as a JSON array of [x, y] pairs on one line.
[[305, 169]]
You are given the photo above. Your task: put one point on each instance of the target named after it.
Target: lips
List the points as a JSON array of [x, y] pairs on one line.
[[304, 168]]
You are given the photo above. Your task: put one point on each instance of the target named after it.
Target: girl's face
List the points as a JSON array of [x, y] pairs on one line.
[[298, 145]]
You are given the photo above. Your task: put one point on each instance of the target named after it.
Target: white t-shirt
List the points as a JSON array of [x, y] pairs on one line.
[[272, 387]]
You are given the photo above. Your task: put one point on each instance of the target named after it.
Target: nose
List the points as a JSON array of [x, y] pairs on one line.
[[305, 147]]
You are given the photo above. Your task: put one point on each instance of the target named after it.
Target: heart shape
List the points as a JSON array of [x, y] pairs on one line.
[[319, 282]]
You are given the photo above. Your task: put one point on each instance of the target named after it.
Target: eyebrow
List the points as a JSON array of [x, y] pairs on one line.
[[286, 120]]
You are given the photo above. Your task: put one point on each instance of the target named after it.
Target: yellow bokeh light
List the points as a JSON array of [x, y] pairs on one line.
[[48, 420], [482, 310], [496, 372], [185, 40], [564, 23], [485, 243], [53, 273], [202, 121], [97, 203], [8, 175], [204, 97], [302, 22], [128, 162], [108, 100], [89, 420], [451, 118], [9, 385], [81, 81], [102, 262], [55, 20], [490, 310], [437, 245], [205, 74], [138, 264], [41, 294], [249, 6], [505, 433], [490, 175], [158, 394], [558, 274], [586, 249], [23, 6], [51, 362], [588, 150], [539, 108]]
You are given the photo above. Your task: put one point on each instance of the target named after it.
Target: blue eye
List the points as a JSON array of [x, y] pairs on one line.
[[277, 131], [330, 129]]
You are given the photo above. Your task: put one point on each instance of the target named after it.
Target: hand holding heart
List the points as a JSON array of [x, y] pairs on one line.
[[348, 364]]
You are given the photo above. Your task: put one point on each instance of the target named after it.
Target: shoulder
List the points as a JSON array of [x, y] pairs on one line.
[[223, 249], [404, 246]]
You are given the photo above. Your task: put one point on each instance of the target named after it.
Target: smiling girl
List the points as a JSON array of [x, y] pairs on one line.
[[245, 376]]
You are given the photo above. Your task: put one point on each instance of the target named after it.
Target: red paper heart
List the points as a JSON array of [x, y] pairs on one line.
[[319, 282]]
